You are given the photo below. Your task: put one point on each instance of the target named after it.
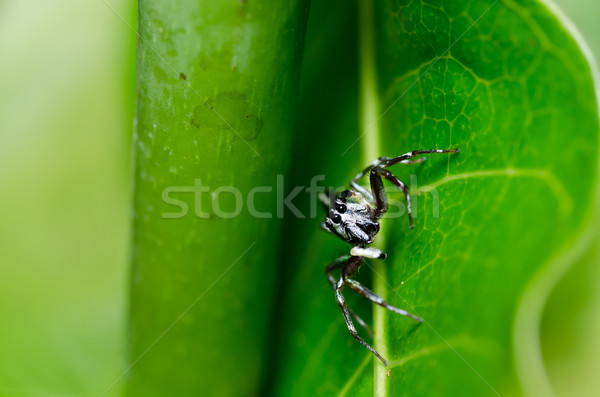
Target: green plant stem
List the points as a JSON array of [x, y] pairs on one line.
[[216, 100]]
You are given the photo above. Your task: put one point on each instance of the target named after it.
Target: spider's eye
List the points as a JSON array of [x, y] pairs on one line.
[[336, 218], [341, 208]]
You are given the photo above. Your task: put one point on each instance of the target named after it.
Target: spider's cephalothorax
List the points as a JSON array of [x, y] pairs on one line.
[[352, 219], [353, 216]]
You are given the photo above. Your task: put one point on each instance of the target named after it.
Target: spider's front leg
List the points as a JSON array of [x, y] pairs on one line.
[[384, 162], [379, 190], [377, 170]]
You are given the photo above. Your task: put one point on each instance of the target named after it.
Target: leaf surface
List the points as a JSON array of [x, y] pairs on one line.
[[507, 84]]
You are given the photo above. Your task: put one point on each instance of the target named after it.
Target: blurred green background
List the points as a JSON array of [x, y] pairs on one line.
[[67, 96], [67, 93]]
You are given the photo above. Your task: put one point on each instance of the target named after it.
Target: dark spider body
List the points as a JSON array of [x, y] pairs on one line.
[[352, 219], [353, 216]]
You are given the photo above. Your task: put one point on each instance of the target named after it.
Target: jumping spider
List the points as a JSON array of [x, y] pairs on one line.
[[353, 216]]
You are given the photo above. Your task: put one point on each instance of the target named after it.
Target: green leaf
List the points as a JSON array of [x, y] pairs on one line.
[[217, 87], [570, 328], [571, 318], [506, 83]]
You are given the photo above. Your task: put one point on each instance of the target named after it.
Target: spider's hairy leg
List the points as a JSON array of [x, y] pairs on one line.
[[377, 170], [342, 303], [373, 297], [415, 161], [360, 175], [362, 190], [338, 264], [385, 162], [378, 189], [335, 265], [350, 266], [379, 195], [362, 323]]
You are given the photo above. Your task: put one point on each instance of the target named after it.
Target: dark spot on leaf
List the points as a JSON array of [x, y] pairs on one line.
[[202, 116], [228, 113], [250, 126], [182, 76]]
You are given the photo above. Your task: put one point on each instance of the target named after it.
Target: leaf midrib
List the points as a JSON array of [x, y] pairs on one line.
[[369, 108]]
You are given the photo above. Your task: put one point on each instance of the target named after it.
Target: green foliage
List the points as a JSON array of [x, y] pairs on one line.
[[516, 95], [65, 123], [571, 318], [570, 329]]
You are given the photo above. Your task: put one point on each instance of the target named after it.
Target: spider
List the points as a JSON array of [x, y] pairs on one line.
[[353, 216]]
